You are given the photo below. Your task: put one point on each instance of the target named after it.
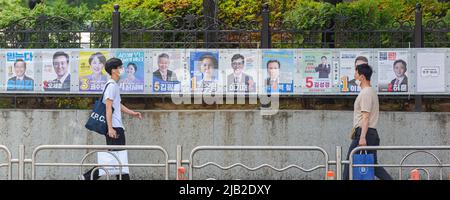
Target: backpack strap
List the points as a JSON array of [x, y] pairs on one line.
[[103, 94]]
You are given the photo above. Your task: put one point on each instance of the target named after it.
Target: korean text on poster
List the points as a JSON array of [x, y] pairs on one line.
[[204, 71], [393, 71], [132, 80], [91, 70], [241, 72], [278, 70], [168, 71], [348, 61], [19, 71], [56, 71], [430, 72]]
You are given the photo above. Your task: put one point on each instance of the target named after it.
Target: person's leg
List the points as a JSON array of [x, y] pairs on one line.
[[382, 174], [109, 141], [87, 175], [121, 141], [374, 140], [353, 145], [124, 177]]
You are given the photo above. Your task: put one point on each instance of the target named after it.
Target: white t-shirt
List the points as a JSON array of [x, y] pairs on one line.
[[113, 93]]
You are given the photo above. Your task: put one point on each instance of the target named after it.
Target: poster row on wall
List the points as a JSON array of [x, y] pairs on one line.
[[236, 71]]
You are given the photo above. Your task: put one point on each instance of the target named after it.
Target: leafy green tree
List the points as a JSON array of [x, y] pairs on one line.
[[57, 16], [134, 15], [362, 18], [148, 12], [307, 18], [309, 14]]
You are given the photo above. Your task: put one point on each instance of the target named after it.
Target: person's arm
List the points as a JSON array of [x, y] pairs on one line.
[[130, 112], [111, 131], [366, 108], [364, 128]]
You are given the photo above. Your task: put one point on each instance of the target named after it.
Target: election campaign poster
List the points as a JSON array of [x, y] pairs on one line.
[[168, 71], [348, 61], [91, 71], [393, 71], [318, 71], [56, 71], [204, 72], [19, 71], [132, 80], [278, 69], [241, 68], [430, 72]]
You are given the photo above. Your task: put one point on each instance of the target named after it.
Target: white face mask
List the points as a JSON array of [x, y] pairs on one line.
[[358, 82], [121, 73]]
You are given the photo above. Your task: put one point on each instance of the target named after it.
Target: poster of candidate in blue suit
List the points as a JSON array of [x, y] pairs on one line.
[[19, 71]]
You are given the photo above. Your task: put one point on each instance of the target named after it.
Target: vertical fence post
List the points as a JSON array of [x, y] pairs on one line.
[[44, 39], [265, 31], [21, 167], [179, 164], [418, 28], [418, 43], [115, 40], [209, 13], [181, 171], [179, 157], [338, 163]]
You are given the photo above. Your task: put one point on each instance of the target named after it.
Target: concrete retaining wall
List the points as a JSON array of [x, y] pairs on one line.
[[168, 129]]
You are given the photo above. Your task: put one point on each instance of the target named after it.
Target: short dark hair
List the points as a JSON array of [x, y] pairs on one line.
[[215, 63], [237, 56], [365, 70], [100, 57], [362, 58], [323, 57], [61, 53], [133, 65], [20, 60], [112, 63], [400, 61], [163, 55], [274, 61]]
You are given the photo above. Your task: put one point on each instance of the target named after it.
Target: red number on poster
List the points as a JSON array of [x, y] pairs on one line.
[[309, 82]]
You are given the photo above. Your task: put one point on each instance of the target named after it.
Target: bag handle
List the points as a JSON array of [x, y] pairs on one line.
[[103, 94], [361, 152]]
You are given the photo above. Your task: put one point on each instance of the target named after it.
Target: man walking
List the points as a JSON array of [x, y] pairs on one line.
[[365, 119], [111, 98]]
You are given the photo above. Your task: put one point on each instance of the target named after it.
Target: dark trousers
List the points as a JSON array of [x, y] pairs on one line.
[[110, 141], [372, 139]]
